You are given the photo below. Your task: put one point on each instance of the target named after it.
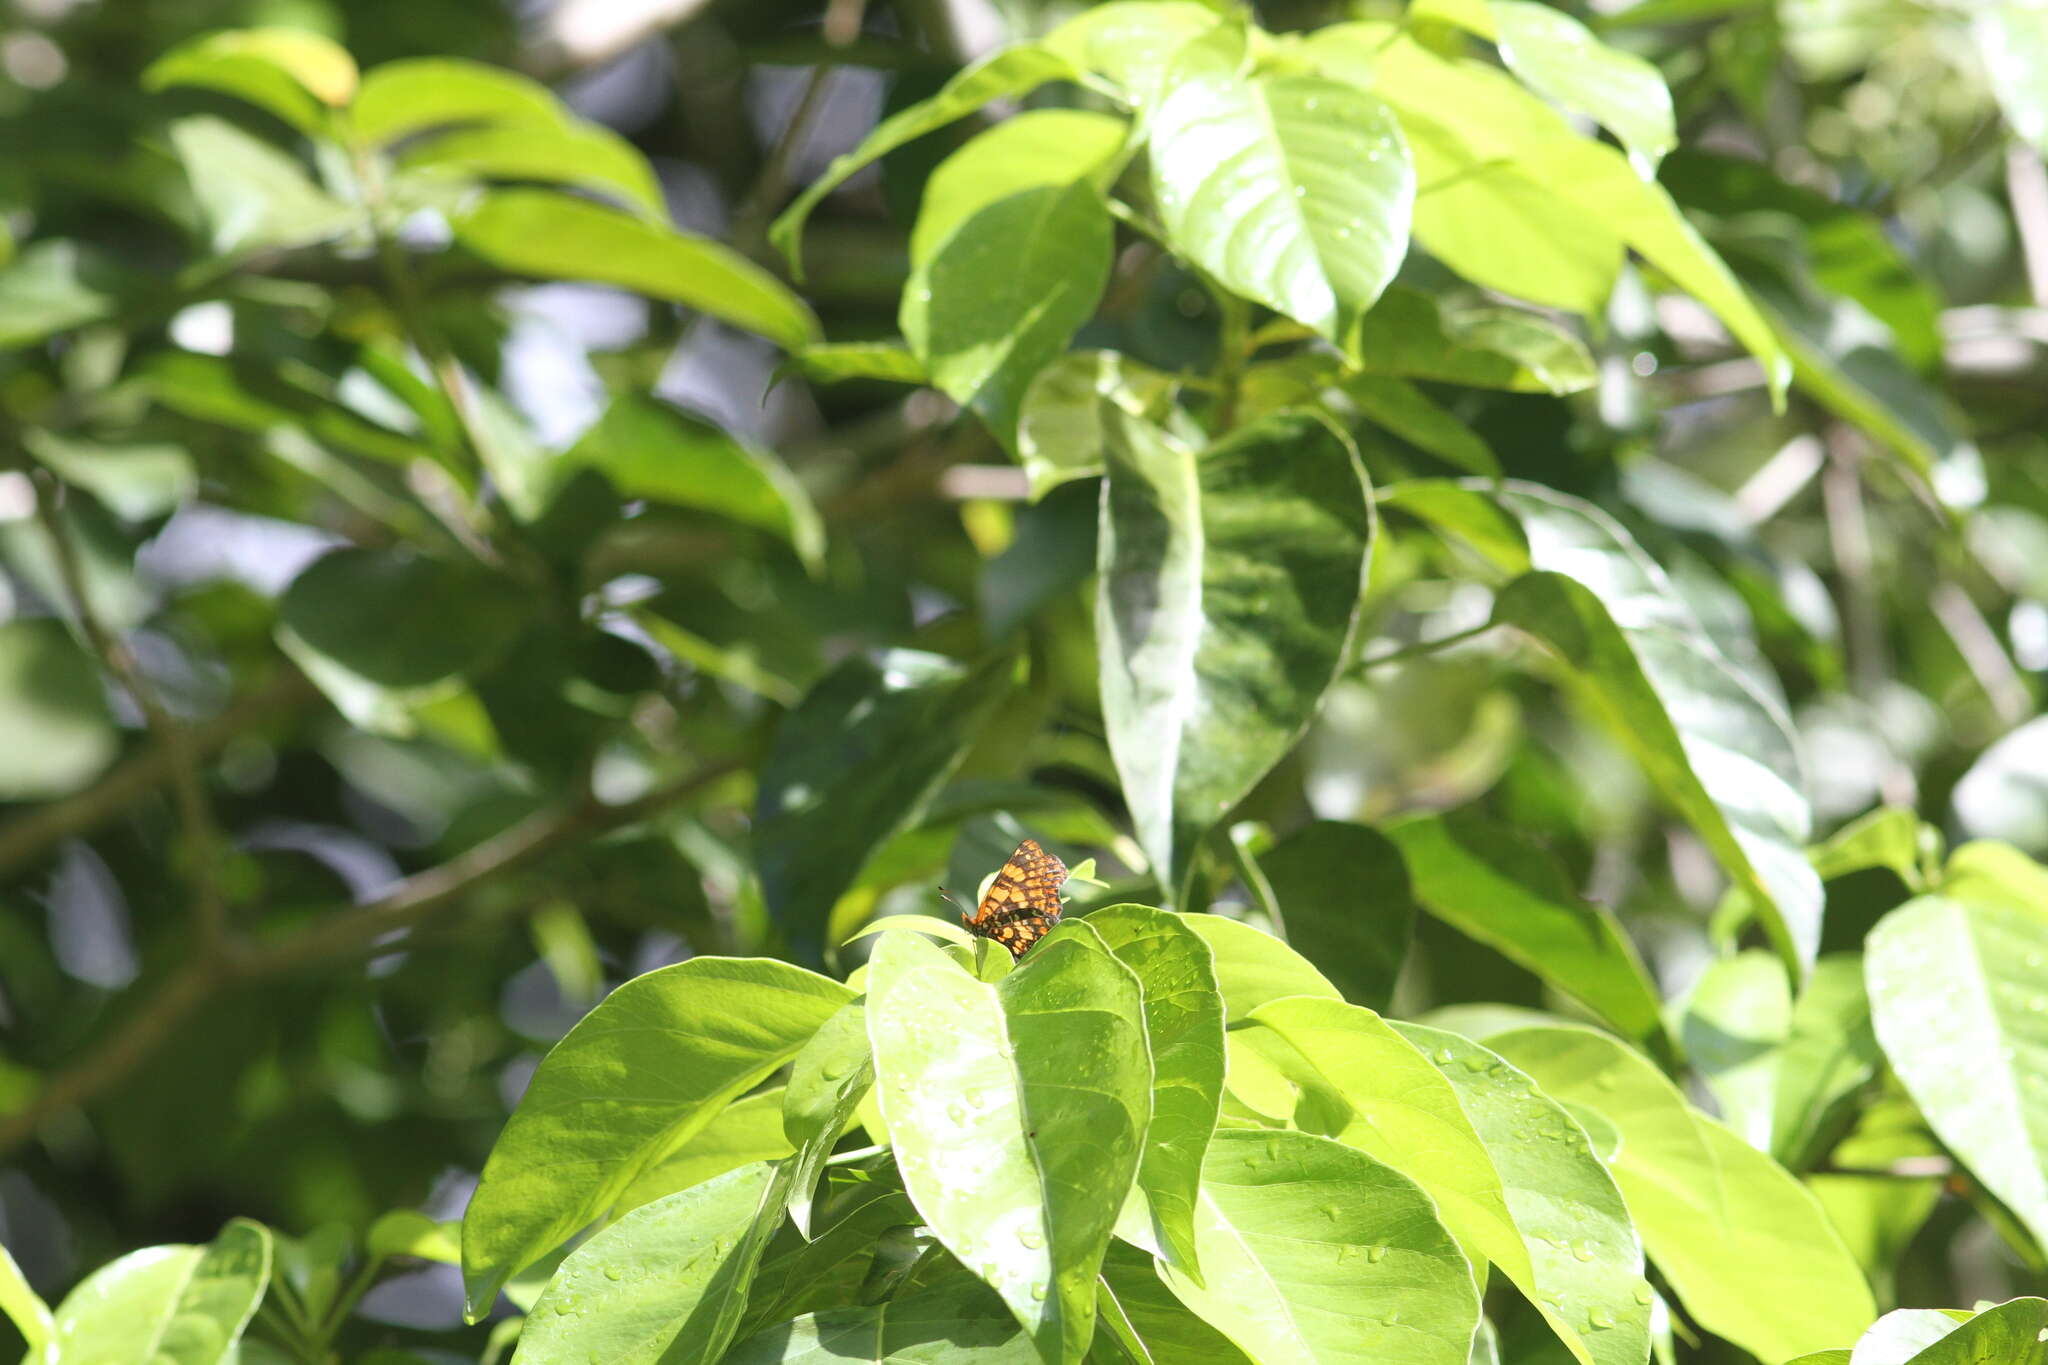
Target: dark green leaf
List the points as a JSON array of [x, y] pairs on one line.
[[1412, 415], [961, 1319], [1344, 894], [1409, 333], [399, 619]]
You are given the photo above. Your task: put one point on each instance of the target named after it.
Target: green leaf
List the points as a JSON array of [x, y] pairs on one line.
[[1558, 57], [666, 1284], [1253, 967], [1012, 72], [2009, 1333], [214, 389], [1018, 1113], [2013, 41], [27, 1311], [588, 155], [296, 75], [1585, 1259], [403, 620], [1379, 1280], [1488, 881], [649, 449], [1010, 255], [2001, 796], [178, 1305], [1888, 837], [137, 481], [1060, 431], [960, 1319], [1227, 599], [1410, 333], [1343, 891], [830, 362], [1176, 971], [250, 194], [745, 1131], [408, 1232], [405, 97], [1132, 42], [56, 285], [1340, 1071], [56, 733], [556, 236], [1134, 1299], [1412, 415], [632, 1082], [1959, 996], [1293, 190], [1986, 870], [827, 1082], [853, 765], [1735, 1021], [1749, 1251]]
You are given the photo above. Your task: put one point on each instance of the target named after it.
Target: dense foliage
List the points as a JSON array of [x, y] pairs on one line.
[[1505, 548]]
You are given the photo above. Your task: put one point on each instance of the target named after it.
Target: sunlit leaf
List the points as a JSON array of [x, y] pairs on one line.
[[827, 1081], [180, 1305], [409, 96], [295, 74]]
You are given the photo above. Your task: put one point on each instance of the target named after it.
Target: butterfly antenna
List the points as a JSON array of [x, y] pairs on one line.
[[953, 901]]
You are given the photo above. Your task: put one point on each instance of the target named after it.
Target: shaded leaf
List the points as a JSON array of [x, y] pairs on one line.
[[1409, 333], [26, 1310], [959, 1318], [1060, 428], [53, 286], [56, 732], [1344, 893], [400, 620]]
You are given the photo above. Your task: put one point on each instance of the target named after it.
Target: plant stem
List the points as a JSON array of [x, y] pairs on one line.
[[1422, 647], [1233, 350]]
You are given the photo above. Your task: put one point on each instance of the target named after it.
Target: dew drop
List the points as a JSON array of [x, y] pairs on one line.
[[1332, 1212], [1390, 1319], [1599, 1319], [1643, 1295], [1375, 1254], [976, 1099], [1443, 1056], [1038, 1290], [1031, 1237], [956, 1113], [834, 1068], [1475, 1062], [614, 1274], [1582, 1251]]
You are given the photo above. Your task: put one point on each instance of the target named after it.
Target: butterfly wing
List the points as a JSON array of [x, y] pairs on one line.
[[1023, 902]]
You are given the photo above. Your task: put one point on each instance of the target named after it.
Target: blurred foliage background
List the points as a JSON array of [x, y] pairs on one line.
[[427, 868]]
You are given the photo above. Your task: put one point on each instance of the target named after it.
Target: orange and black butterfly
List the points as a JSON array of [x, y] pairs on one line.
[[1023, 902]]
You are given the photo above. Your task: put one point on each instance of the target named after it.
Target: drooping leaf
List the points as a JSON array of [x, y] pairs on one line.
[[666, 1284], [853, 764], [180, 1305], [1293, 190], [827, 1082], [1959, 997], [56, 731], [560, 237], [1379, 1280], [1344, 893], [297, 75], [1747, 1248], [635, 1078], [1176, 971], [1488, 881], [401, 98], [1585, 1258], [569, 152], [1254, 967], [1229, 588], [1017, 1112]]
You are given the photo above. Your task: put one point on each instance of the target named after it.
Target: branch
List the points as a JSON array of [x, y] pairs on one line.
[[343, 934]]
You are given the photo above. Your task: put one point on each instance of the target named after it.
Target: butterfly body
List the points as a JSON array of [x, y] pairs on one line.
[[1022, 904]]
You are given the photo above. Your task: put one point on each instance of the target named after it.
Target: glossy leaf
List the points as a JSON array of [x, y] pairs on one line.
[[1749, 1251], [25, 1308], [853, 764], [558, 237], [1253, 967], [1018, 1112], [1380, 1280], [745, 1131], [636, 1077], [56, 731], [666, 1284], [959, 1319], [1229, 588], [1489, 882], [1132, 42], [297, 75], [1176, 971], [2011, 1333], [399, 619], [1344, 893], [400, 98], [1060, 432], [1010, 255], [588, 155], [1293, 190], [827, 1082], [1006, 74], [1560, 58], [1585, 1259], [1888, 837], [178, 1305], [1410, 333], [649, 449], [1959, 996]]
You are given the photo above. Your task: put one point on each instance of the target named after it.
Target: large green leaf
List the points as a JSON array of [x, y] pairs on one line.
[[1313, 1253], [1136, 1302], [560, 237], [1559, 57], [1017, 1112], [1006, 74], [745, 1131], [1585, 1259], [400, 98], [1253, 967], [250, 194], [631, 1083], [1132, 42], [1229, 589], [666, 1284], [23, 1307], [1341, 1071], [1060, 434], [850, 767], [170, 1305], [1009, 256], [959, 1319], [56, 732], [1959, 996], [1344, 892], [2010, 1333], [649, 449], [1490, 882], [1293, 190], [1176, 971], [297, 75], [827, 1082], [398, 619], [1749, 1251]]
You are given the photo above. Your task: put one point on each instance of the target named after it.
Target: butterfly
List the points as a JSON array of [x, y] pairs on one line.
[[1023, 902]]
